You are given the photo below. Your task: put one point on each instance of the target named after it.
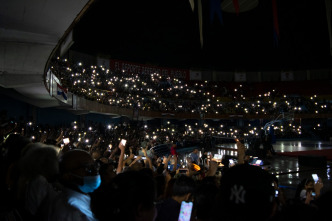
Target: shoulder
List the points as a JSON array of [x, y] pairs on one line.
[[303, 194], [168, 204], [62, 210], [168, 210]]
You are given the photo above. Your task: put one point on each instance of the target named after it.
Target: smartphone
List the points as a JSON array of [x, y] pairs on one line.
[[185, 211], [66, 140], [259, 162], [315, 177], [109, 147], [123, 142], [276, 193]]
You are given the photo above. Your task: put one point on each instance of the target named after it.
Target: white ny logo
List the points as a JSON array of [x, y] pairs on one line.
[[237, 194]]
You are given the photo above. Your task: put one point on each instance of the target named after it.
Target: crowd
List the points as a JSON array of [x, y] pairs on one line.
[[155, 92], [92, 171], [60, 176]]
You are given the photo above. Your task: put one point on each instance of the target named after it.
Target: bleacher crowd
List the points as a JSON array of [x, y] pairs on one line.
[[85, 172], [155, 92]]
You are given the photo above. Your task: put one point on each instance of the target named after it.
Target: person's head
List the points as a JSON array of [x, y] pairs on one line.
[[183, 187], [248, 189], [189, 161], [13, 145], [309, 184], [39, 159], [196, 151], [103, 160], [205, 199], [130, 196], [96, 154], [79, 171], [305, 184], [107, 173], [138, 165], [51, 142]]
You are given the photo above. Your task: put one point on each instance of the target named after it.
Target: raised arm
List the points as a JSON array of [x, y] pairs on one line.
[[134, 161], [318, 186], [96, 143], [128, 159], [147, 159], [175, 162], [240, 151], [166, 160], [212, 168], [59, 138], [113, 152], [120, 163]]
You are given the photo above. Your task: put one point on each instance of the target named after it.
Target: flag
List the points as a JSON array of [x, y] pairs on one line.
[[62, 91]]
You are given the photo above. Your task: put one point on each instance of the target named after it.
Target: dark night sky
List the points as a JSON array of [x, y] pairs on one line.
[[165, 32]]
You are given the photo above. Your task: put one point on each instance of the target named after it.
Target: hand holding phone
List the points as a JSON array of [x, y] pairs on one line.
[[315, 177], [123, 142], [185, 211], [66, 140], [109, 147]]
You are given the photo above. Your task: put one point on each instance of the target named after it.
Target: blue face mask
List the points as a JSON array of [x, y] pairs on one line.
[[90, 184]]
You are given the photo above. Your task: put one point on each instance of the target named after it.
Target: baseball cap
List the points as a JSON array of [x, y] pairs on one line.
[[248, 189]]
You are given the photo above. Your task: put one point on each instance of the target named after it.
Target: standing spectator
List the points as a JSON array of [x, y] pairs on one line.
[[245, 193], [194, 156], [205, 199], [307, 190], [169, 209], [11, 149], [38, 169], [80, 177], [130, 196], [173, 150]]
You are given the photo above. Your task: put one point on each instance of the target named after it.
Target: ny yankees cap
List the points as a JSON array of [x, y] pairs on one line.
[[248, 189]]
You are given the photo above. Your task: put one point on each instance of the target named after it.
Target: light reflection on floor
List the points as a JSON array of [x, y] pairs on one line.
[[289, 146], [290, 173]]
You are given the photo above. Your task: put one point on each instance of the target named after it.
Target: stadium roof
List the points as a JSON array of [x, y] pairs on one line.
[[168, 33]]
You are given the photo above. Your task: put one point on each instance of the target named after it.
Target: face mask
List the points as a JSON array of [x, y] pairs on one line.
[[90, 184]]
